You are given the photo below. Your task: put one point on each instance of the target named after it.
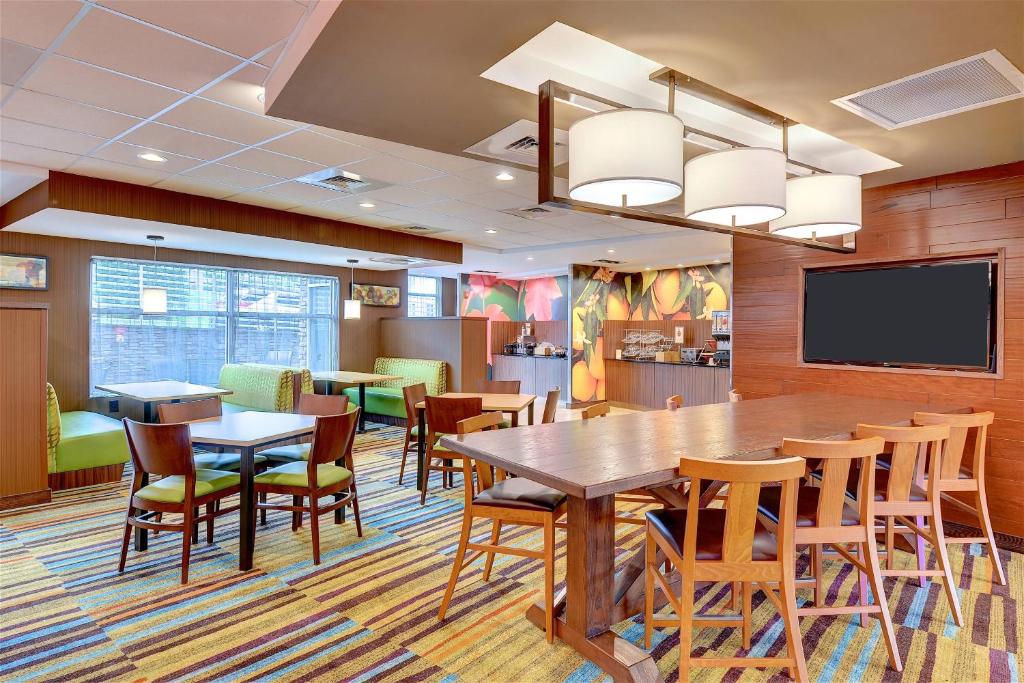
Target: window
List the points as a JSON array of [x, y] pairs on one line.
[[214, 316], [424, 296]]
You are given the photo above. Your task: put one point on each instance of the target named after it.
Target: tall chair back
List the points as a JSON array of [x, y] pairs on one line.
[[964, 429], [500, 386], [161, 449], [837, 461], [189, 411], [413, 394], [551, 406], [332, 440], [909, 445], [321, 404], [444, 414], [596, 410]]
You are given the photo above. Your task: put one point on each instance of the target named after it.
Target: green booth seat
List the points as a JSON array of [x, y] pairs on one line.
[[385, 398], [80, 440], [268, 388], [379, 400]]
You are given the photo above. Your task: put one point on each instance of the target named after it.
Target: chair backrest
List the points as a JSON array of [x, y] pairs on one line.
[[838, 457], [189, 411], [908, 445], [674, 402], [322, 404], [413, 394], [551, 406], [162, 449], [735, 396], [485, 474], [596, 410], [744, 479], [332, 440], [964, 428], [500, 386], [444, 414], [433, 373]]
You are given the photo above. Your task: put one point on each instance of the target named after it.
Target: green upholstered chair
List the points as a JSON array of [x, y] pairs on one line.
[[385, 398], [80, 440], [257, 387], [190, 411]]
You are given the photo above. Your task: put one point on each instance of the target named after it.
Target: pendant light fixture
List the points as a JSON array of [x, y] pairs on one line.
[[154, 299], [626, 157], [351, 309], [820, 205], [740, 186]]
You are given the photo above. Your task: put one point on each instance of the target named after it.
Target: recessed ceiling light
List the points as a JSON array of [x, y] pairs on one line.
[[611, 251], [647, 267], [718, 260], [505, 175], [261, 96], [491, 232], [367, 205], [529, 258], [152, 156], [679, 265]]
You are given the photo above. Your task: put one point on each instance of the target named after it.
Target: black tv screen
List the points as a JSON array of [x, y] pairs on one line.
[[936, 315]]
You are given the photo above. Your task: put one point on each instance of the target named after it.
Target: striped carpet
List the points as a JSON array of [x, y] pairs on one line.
[[368, 613]]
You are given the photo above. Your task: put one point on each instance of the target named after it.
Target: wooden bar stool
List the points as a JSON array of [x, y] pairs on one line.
[[165, 450], [964, 429], [898, 497], [551, 406], [412, 394], [824, 517], [730, 544], [318, 476], [443, 414], [505, 500]]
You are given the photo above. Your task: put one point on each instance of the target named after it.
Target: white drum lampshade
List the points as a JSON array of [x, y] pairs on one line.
[[821, 205], [740, 186], [633, 152], [352, 309], [154, 300]]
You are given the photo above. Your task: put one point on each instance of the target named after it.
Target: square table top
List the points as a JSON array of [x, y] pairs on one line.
[[617, 453], [163, 390], [350, 377], [505, 403], [250, 428]]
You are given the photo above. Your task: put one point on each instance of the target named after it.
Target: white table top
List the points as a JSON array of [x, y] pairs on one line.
[[351, 377], [167, 390], [250, 428]]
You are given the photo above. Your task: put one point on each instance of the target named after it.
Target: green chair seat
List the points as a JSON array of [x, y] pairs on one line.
[[294, 474], [172, 489], [231, 462], [293, 453], [89, 440]]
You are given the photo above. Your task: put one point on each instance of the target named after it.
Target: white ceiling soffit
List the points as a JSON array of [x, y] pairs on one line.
[[966, 84], [99, 227], [18, 178], [578, 59]]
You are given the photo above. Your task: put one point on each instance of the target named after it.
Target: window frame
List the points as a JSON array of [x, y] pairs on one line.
[[436, 296]]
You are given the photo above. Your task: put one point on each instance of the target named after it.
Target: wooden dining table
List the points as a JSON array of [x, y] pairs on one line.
[[151, 393], [332, 377], [592, 460]]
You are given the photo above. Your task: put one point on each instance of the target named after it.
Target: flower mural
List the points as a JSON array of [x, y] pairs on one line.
[[600, 294]]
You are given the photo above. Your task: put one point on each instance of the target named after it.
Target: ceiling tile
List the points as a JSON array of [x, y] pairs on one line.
[[389, 169], [215, 119], [177, 141], [100, 168], [36, 23], [129, 155], [261, 199], [321, 210], [448, 163], [403, 196], [35, 156], [497, 200], [270, 59], [350, 206], [317, 148], [241, 89], [127, 46], [242, 27], [452, 186], [15, 60], [300, 193], [377, 221], [198, 187], [52, 111], [261, 161], [47, 137], [231, 176], [477, 214], [89, 84]]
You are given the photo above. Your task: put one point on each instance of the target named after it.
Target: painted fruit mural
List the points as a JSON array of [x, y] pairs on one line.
[[599, 294]]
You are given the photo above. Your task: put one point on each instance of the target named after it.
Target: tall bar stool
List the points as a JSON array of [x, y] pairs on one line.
[[727, 544], [443, 414], [899, 497], [505, 501], [964, 429], [412, 394]]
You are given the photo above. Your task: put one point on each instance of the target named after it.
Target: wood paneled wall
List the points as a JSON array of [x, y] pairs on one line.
[[460, 342], [449, 297], [973, 210], [647, 385], [68, 298], [507, 331]]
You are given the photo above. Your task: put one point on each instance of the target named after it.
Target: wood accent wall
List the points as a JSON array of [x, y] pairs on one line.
[[68, 298], [507, 331], [957, 212], [460, 342], [647, 385], [697, 331]]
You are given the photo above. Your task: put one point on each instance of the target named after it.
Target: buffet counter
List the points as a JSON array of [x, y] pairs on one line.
[[537, 374], [648, 383]]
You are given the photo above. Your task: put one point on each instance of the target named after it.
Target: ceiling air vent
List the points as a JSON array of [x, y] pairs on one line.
[[518, 144], [340, 181], [419, 229], [607, 261], [978, 81], [396, 260], [533, 212], [487, 272]]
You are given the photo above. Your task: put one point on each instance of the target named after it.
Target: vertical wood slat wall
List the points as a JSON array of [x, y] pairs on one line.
[[973, 210]]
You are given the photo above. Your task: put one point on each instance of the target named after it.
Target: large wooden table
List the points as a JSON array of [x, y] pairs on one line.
[[593, 460], [332, 377], [151, 393]]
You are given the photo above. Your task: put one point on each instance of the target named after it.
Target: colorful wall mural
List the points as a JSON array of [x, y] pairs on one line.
[[599, 294], [494, 298]]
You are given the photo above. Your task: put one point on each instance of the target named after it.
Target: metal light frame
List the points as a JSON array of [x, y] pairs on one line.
[[550, 91]]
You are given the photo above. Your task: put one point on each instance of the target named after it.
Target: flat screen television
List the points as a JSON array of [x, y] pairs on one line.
[[927, 315]]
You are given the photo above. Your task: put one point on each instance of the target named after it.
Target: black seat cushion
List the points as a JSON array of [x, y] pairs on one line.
[[671, 524], [522, 494], [917, 493], [768, 504]]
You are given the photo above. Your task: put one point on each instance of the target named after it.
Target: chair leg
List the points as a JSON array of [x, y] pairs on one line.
[[939, 541], [922, 555], [816, 566], [986, 526], [734, 594], [186, 543], [890, 542], [405, 454], [549, 578], [209, 523], [263, 512], [748, 599], [355, 511], [124, 542], [495, 537], [650, 566], [460, 554], [685, 627], [195, 526], [869, 556], [296, 514], [794, 640], [314, 526], [426, 481], [862, 578]]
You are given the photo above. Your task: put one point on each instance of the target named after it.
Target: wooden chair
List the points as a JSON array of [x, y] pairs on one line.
[[551, 406], [823, 518], [674, 402], [166, 450], [735, 396], [443, 414], [317, 477], [500, 386], [412, 394], [505, 500], [900, 496], [730, 544], [595, 410], [203, 409], [309, 404], [954, 477]]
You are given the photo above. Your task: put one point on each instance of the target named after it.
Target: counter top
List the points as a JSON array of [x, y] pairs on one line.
[[674, 364], [525, 355]]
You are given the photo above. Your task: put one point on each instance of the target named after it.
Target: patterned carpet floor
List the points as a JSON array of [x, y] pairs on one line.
[[368, 612]]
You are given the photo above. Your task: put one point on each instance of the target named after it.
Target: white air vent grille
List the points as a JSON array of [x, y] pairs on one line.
[[533, 212], [340, 181], [518, 144], [396, 260], [960, 86]]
